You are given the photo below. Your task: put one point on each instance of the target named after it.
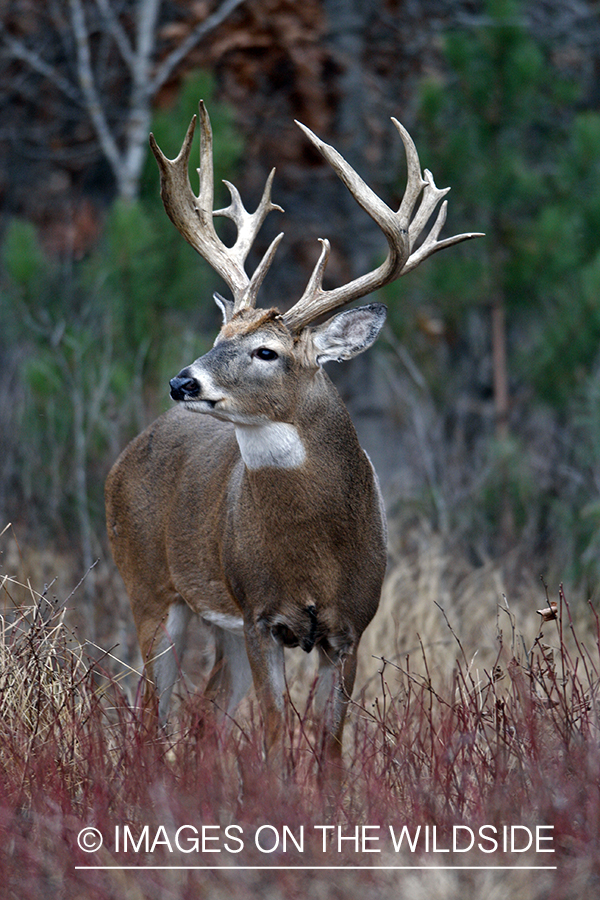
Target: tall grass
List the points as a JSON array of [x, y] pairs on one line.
[[514, 744]]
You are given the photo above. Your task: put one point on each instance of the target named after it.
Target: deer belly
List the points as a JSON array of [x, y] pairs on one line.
[[223, 620]]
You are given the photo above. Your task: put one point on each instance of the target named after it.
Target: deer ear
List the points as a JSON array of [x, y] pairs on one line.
[[226, 307], [349, 333]]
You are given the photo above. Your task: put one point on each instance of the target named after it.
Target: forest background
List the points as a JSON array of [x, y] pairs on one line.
[[480, 404]]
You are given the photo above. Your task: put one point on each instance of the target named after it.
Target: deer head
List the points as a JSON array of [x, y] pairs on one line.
[[269, 336]]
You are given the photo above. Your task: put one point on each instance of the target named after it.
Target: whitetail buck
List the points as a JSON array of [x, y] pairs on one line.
[[262, 515]]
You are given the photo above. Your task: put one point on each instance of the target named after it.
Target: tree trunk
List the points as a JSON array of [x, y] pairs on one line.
[[500, 366], [506, 524]]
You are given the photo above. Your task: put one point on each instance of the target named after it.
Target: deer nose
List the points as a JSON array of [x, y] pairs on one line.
[[182, 386]]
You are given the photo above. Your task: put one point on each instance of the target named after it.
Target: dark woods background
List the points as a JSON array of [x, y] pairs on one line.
[[481, 403]]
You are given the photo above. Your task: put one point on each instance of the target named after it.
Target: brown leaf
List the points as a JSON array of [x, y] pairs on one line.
[[549, 613]]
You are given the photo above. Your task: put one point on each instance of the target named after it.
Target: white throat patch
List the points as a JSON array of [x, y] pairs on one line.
[[275, 444]]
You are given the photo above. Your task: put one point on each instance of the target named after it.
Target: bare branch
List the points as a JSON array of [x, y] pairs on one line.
[[136, 44], [146, 21], [119, 34], [18, 50], [88, 86], [203, 28]]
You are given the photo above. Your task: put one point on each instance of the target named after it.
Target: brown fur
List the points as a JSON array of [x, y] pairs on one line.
[[245, 321], [297, 553]]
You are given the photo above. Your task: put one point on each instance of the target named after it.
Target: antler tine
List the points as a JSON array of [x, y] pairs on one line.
[[401, 230], [193, 216], [248, 225]]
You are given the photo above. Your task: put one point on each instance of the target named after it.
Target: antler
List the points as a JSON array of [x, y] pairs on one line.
[[193, 216], [401, 230]]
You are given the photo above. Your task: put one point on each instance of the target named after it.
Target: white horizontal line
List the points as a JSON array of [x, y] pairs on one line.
[[317, 868]]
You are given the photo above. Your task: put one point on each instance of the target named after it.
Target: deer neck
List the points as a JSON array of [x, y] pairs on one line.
[[270, 445], [319, 420], [320, 426]]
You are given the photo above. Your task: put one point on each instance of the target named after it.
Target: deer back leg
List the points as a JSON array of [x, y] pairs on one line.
[[167, 662], [335, 683], [266, 659], [162, 641]]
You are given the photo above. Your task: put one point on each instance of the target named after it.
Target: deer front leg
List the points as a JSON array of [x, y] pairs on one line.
[[266, 659]]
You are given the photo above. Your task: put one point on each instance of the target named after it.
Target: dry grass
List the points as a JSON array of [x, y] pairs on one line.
[[442, 736]]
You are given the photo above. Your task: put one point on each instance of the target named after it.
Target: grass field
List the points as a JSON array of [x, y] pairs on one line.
[[471, 753]]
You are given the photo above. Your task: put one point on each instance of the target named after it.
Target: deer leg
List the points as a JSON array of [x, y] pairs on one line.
[[162, 641], [231, 676], [334, 689], [266, 659], [167, 662]]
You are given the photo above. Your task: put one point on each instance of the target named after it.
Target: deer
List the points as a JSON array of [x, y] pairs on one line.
[[250, 503]]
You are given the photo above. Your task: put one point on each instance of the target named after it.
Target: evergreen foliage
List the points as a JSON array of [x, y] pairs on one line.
[[525, 168], [502, 128]]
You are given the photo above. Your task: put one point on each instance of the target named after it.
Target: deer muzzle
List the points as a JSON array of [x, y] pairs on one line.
[[183, 387]]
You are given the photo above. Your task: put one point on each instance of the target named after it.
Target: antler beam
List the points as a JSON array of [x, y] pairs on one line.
[[401, 229]]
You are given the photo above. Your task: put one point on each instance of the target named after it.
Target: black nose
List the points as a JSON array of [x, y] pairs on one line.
[[182, 386]]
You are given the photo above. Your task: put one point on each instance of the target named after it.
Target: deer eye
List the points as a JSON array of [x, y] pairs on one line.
[[265, 353]]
